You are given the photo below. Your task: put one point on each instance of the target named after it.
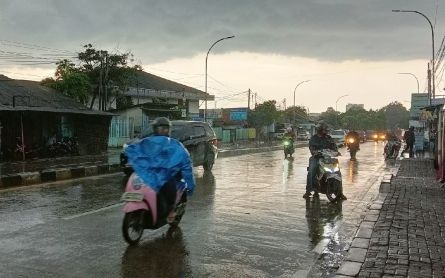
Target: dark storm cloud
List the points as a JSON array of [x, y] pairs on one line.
[[159, 30]]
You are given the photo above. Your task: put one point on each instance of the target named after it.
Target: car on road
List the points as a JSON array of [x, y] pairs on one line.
[[302, 135], [197, 137], [339, 137], [377, 136]]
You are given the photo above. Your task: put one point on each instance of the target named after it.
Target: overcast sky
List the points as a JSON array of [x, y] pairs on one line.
[[352, 47]]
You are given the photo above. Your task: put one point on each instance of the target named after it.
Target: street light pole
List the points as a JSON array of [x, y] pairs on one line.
[[207, 56], [338, 100], [408, 73], [432, 37], [294, 95]]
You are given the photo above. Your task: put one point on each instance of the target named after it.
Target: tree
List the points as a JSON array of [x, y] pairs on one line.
[[98, 76], [70, 82], [297, 114], [264, 114], [397, 116], [331, 117]]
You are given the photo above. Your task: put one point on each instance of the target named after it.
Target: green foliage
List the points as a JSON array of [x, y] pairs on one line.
[[264, 114], [331, 117], [98, 74], [397, 116], [297, 114]]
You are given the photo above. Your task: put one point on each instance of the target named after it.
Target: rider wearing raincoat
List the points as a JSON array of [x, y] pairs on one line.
[[163, 163]]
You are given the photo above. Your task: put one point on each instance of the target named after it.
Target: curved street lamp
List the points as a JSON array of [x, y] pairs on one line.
[[294, 94], [408, 73], [207, 56], [338, 100], [432, 36]]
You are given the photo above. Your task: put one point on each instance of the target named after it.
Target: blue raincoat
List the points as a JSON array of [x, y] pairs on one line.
[[157, 159]]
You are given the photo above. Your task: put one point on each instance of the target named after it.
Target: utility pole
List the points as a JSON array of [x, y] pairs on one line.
[[284, 104], [107, 68], [100, 82], [429, 84], [248, 100], [255, 100]]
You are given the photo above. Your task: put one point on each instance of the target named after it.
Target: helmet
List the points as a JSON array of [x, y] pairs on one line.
[[161, 121], [289, 129], [322, 126]]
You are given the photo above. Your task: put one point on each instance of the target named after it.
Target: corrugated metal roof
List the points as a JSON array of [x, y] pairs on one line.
[[31, 96], [151, 81]]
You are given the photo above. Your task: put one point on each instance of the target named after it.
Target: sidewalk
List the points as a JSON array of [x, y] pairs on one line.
[[403, 234], [63, 168]]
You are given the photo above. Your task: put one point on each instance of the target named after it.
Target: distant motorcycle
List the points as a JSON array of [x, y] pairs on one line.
[[145, 209], [353, 146], [288, 144], [392, 149], [329, 175]]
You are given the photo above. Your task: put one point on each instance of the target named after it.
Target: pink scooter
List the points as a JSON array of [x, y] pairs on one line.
[[145, 209]]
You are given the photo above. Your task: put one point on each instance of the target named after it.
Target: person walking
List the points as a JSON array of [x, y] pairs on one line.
[[410, 139]]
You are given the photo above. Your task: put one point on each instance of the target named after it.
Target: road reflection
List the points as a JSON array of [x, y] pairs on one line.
[[165, 256], [288, 167], [352, 170], [323, 219]]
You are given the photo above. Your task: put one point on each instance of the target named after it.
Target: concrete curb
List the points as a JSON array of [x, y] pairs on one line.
[[59, 174], [29, 178], [358, 249]]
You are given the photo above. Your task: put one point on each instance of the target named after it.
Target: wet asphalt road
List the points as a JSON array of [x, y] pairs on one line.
[[246, 219]]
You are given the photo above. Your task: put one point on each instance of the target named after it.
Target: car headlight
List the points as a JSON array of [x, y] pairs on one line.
[[375, 136], [125, 146]]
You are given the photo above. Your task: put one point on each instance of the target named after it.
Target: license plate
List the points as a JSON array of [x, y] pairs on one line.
[[132, 197]]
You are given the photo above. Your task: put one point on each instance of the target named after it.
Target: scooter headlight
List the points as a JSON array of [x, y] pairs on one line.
[[351, 140], [327, 169], [286, 143]]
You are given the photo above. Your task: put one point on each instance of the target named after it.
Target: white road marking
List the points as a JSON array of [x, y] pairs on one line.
[[92, 211]]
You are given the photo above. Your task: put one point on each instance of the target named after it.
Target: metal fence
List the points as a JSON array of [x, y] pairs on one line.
[[234, 135], [121, 131]]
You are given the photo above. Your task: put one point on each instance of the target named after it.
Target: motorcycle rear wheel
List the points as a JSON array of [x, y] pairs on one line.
[[333, 190], [132, 227]]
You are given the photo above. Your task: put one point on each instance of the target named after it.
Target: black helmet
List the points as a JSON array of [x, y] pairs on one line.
[[322, 125], [161, 122]]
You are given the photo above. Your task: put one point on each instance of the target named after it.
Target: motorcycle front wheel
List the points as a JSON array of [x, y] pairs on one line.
[[132, 227], [333, 190], [180, 211]]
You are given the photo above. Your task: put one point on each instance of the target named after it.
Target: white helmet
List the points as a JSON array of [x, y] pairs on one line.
[[289, 129]]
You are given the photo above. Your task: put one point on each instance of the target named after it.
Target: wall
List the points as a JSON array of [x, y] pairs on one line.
[[92, 133]]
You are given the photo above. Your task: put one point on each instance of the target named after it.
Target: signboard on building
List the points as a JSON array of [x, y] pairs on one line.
[[238, 115], [418, 101]]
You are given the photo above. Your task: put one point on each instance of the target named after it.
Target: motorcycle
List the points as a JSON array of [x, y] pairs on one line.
[[329, 175], [288, 144], [353, 147], [392, 149], [145, 209]]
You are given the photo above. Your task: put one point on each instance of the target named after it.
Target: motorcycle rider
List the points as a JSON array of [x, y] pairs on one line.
[[161, 161], [354, 134], [290, 135], [321, 140]]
